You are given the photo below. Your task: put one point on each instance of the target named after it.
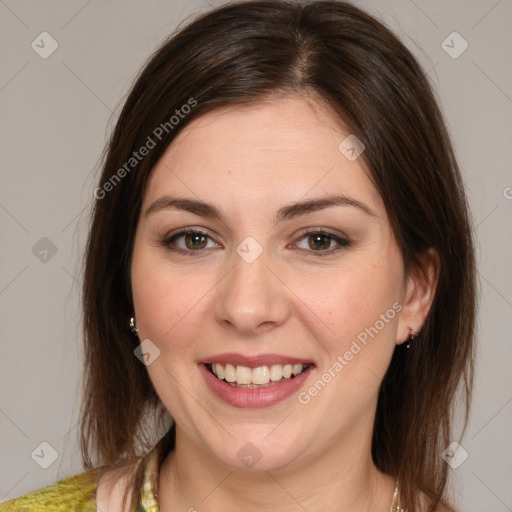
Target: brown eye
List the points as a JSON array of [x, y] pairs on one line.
[[193, 241], [320, 243]]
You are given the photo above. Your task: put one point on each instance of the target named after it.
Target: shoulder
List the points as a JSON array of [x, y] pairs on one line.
[[76, 492]]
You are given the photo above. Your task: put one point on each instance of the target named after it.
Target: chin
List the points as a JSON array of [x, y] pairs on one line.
[[258, 453]]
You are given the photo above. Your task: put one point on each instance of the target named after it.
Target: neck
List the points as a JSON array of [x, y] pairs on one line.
[[344, 478]]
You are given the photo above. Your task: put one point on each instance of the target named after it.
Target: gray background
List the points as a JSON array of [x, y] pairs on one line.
[[56, 114]]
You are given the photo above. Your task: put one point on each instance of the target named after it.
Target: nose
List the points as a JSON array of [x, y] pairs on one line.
[[252, 298]]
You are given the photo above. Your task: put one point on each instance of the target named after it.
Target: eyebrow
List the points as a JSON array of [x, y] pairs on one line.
[[284, 213]]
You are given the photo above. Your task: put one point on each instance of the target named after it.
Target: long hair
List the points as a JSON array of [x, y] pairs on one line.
[[245, 53]]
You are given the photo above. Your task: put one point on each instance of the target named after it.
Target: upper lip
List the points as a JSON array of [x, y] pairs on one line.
[[254, 361]]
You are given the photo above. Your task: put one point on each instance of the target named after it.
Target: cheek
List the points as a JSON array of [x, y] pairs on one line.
[[354, 319], [164, 302], [167, 306], [353, 301], [171, 302]]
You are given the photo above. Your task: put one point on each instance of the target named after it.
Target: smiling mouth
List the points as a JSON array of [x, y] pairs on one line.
[[259, 377]]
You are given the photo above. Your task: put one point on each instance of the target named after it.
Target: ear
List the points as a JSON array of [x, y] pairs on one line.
[[420, 288]]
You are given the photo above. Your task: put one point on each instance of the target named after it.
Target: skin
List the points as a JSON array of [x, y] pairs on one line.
[[250, 161]]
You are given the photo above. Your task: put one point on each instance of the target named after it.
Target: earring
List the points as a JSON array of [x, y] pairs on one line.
[[133, 327], [412, 337]]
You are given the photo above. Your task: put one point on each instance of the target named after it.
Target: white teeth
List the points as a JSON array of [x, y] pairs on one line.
[[297, 369], [229, 373], [276, 372], [262, 375], [218, 369], [243, 375]]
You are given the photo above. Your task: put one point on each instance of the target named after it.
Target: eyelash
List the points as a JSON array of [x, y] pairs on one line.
[[169, 239]]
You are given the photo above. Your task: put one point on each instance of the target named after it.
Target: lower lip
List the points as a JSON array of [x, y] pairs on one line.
[[255, 398]]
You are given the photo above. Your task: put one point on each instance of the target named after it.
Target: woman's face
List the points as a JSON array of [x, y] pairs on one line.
[[257, 290]]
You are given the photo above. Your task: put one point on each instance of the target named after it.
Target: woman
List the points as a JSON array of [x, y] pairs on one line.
[[280, 260]]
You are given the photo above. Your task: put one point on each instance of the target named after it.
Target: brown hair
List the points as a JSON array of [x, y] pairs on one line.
[[245, 53]]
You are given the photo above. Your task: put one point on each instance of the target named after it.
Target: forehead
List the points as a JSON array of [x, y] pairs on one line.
[[282, 149]]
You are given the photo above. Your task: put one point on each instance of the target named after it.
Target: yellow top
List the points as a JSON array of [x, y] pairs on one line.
[[77, 493]]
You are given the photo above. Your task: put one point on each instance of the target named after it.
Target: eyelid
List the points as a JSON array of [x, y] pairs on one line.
[[321, 229], [189, 229]]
